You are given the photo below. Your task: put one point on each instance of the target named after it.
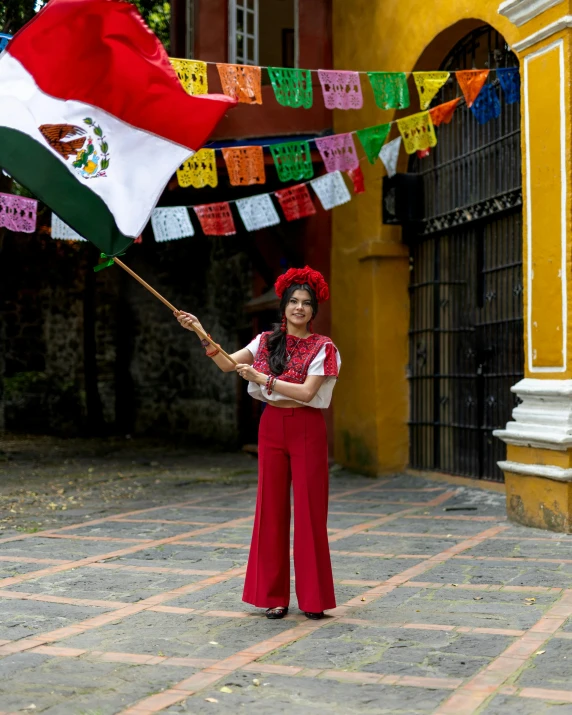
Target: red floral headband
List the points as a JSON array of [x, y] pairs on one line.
[[299, 276]]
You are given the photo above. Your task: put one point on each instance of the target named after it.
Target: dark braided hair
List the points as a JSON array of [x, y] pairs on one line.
[[277, 339]]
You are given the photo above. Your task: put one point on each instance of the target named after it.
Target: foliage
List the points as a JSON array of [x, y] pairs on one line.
[[23, 383], [13, 187], [16, 13], [157, 15]]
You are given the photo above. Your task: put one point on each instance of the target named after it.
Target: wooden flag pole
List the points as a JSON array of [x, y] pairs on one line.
[[198, 331]]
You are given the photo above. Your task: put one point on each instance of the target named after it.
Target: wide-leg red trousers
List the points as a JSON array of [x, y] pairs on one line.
[[292, 448]]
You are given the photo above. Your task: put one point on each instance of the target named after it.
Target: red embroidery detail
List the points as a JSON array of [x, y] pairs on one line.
[[302, 352], [330, 361]]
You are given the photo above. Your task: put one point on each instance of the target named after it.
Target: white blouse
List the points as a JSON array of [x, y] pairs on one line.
[[322, 398]]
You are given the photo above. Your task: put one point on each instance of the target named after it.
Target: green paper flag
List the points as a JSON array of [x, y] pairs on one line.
[[292, 160], [372, 139], [292, 87], [390, 89]]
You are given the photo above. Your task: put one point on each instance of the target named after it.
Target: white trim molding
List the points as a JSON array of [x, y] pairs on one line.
[[561, 365], [544, 419], [249, 13], [520, 12], [559, 25], [559, 474]]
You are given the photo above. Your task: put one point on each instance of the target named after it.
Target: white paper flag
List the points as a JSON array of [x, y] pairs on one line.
[[331, 190], [63, 231], [389, 155], [171, 223], [257, 212]]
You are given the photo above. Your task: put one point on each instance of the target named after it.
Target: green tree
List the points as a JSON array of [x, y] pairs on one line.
[[16, 13], [157, 15]]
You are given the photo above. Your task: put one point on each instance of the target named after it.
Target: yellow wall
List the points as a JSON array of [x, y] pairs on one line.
[[547, 69], [370, 306]]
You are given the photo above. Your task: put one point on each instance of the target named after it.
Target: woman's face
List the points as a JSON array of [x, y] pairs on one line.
[[299, 308]]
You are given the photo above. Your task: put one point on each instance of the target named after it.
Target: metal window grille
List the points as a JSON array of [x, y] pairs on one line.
[[243, 32], [466, 332]]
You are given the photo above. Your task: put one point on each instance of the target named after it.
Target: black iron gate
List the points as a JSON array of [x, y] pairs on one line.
[[466, 333]]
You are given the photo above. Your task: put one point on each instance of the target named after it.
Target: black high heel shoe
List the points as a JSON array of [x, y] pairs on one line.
[[278, 612], [314, 616]]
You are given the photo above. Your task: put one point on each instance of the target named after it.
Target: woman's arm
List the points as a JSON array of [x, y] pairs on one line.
[[244, 356], [302, 393]]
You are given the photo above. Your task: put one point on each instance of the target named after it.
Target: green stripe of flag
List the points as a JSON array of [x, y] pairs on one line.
[[42, 173]]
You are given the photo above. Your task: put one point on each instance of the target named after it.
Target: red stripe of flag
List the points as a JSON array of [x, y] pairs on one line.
[[101, 52]]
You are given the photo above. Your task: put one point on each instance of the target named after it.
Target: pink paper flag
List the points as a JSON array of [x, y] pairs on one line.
[[338, 152], [18, 213], [341, 90]]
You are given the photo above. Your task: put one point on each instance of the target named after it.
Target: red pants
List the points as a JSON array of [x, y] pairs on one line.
[[292, 447]]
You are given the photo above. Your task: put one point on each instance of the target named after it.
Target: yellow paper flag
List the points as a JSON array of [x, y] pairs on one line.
[[192, 75], [428, 84], [199, 171], [417, 131]]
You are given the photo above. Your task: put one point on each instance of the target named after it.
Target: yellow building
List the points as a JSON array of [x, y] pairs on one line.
[[454, 327]]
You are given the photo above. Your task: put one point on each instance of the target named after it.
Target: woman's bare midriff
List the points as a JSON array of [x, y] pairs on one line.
[[285, 403]]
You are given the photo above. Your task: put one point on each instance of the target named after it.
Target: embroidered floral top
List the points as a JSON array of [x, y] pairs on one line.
[[315, 355]]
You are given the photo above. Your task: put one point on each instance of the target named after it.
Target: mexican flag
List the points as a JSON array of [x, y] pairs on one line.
[[93, 119]]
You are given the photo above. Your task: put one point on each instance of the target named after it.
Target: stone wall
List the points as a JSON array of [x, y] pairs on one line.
[[41, 289], [150, 376], [175, 388]]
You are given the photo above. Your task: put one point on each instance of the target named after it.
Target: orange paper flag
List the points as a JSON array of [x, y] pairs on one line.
[[245, 165], [471, 82], [443, 113], [241, 82]]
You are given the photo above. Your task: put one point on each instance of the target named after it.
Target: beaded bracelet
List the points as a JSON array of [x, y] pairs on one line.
[[270, 384], [213, 354], [268, 381]]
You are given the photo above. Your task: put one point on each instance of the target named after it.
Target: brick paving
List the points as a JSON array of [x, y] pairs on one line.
[[442, 609]]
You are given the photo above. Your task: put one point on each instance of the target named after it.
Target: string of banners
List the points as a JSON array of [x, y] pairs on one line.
[[341, 89], [256, 212], [417, 134], [293, 161]]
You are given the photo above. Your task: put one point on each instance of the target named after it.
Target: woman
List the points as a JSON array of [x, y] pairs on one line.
[[294, 371]]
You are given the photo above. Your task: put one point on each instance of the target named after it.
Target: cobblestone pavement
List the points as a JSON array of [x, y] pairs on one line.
[[444, 607]]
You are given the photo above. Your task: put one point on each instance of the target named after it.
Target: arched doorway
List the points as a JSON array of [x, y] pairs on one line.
[[466, 332]]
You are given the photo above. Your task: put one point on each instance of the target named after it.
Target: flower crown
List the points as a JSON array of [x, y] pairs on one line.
[[299, 276]]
